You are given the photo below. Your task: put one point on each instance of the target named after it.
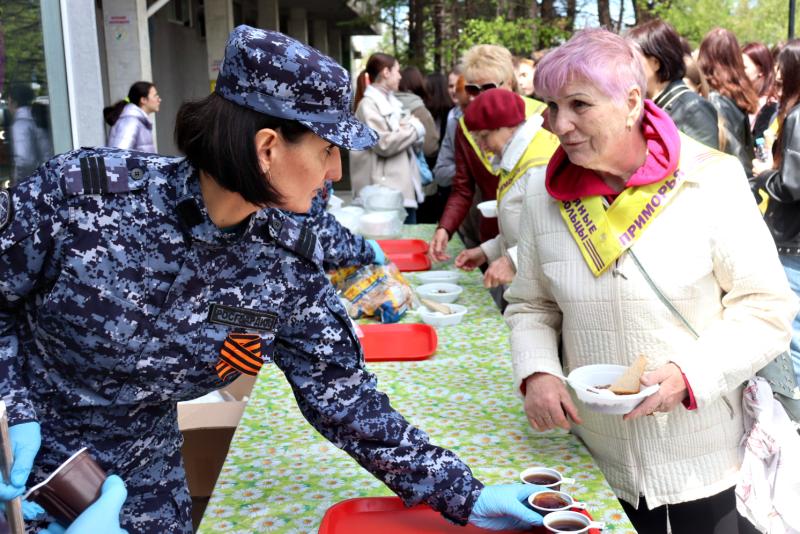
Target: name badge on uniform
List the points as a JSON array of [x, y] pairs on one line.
[[242, 318]]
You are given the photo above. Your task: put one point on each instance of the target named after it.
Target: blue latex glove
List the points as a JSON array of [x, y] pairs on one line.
[[31, 511], [501, 508], [26, 438], [102, 515], [380, 257]]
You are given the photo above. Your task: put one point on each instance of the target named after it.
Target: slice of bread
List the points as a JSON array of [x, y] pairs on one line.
[[628, 383]]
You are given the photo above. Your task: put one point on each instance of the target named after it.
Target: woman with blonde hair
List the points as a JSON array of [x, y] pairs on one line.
[[484, 67]]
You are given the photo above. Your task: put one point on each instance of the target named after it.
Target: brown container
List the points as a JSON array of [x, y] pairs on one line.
[[71, 488]]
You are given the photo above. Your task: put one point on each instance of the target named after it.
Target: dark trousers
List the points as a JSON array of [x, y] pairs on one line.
[[713, 515]]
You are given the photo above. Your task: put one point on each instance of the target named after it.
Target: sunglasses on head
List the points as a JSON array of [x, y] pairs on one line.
[[474, 90]]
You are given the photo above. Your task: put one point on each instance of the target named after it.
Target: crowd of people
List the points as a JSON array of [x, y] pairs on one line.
[[632, 179], [600, 125]]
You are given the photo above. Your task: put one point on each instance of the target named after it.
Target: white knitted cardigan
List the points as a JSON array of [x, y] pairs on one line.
[[712, 255]]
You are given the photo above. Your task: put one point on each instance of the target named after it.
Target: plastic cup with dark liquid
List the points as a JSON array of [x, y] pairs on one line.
[[545, 477], [570, 522], [549, 501]]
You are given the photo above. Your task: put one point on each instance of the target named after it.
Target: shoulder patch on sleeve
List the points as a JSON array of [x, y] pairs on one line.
[[6, 208], [93, 174], [295, 236]]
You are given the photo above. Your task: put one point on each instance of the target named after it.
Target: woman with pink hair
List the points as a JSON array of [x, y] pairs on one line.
[[633, 215]]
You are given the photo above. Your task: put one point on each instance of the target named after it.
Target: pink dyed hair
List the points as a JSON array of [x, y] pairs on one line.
[[596, 56]]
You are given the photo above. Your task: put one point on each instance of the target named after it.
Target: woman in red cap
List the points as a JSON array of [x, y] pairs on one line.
[[520, 148]]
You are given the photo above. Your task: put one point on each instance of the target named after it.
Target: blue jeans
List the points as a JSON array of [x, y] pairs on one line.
[[791, 264]]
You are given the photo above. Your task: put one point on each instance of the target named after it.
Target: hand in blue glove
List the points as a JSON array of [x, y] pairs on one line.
[[26, 438], [102, 515], [380, 257], [501, 508]]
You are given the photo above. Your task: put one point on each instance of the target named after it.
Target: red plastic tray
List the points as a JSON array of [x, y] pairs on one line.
[[398, 342], [404, 246], [407, 254], [410, 262], [388, 515]]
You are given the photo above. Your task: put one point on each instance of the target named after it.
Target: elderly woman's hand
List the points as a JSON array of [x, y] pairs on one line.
[[671, 393], [501, 271], [547, 403], [470, 259]]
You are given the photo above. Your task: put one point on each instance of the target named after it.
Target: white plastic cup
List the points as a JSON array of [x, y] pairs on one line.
[[570, 503], [556, 477], [555, 522]]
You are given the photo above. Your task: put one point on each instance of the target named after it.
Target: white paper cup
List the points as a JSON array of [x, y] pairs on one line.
[[548, 478], [542, 501], [570, 522]]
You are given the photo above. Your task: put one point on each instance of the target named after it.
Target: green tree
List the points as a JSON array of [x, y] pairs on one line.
[[22, 51], [760, 20], [516, 35]]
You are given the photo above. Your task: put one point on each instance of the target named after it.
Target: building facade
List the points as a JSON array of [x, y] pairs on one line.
[[65, 60]]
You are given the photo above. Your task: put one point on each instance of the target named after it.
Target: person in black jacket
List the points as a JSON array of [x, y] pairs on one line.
[[660, 45], [778, 182], [720, 61]]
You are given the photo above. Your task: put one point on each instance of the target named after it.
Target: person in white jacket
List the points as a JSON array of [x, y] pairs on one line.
[[625, 184], [521, 148], [131, 127]]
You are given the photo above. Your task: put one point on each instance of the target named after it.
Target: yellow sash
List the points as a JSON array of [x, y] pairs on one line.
[[538, 152], [603, 235], [531, 107]]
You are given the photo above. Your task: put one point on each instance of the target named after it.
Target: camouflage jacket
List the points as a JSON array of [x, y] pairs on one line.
[[118, 292]]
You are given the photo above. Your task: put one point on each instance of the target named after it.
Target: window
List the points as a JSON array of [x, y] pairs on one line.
[[26, 134]]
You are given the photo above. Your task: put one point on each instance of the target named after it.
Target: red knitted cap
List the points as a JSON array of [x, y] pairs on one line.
[[495, 109]]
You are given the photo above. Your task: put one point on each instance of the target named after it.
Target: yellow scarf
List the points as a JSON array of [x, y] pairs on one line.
[[538, 152], [603, 235]]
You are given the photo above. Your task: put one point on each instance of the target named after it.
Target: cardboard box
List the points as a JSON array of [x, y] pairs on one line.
[[207, 430]]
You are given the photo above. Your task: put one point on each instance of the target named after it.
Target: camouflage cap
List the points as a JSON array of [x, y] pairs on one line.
[[274, 74]]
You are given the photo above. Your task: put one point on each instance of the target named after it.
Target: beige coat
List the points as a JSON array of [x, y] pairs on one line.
[[710, 252], [509, 207], [416, 107], [391, 162]]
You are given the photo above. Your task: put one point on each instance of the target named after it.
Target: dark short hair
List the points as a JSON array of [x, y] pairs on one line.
[[217, 136], [659, 40], [21, 93], [412, 81]]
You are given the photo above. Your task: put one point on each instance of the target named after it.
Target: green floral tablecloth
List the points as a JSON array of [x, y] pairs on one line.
[[281, 476]]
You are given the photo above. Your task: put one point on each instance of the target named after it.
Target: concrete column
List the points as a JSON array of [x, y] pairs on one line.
[[298, 24], [127, 45], [268, 15], [219, 23], [335, 44], [320, 35]]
